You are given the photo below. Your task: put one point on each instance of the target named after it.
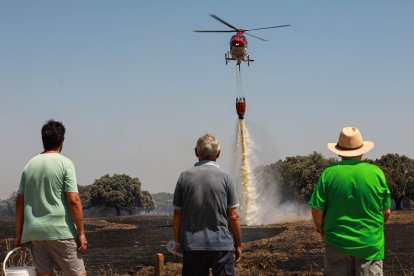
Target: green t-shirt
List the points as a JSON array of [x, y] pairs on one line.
[[45, 180], [352, 195]]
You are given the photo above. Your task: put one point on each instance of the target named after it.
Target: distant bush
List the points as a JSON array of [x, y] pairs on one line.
[[8, 206], [163, 203]]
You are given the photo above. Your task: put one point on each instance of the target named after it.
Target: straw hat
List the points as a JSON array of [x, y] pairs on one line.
[[350, 143]]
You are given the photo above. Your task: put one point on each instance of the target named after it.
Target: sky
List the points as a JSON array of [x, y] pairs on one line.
[[135, 86]]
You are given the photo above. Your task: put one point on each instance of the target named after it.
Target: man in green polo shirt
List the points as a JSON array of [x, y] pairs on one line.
[[350, 205]]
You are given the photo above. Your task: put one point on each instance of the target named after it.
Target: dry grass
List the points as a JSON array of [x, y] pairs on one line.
[[295, 249]]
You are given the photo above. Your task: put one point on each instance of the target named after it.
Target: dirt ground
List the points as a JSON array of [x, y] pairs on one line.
[[126, 246], [297, 249]]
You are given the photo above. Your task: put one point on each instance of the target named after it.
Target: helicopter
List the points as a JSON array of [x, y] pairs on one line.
[[238, 42]]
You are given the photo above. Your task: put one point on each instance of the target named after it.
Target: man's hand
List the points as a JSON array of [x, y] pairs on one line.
[[237, 253], [321, 233], [387, 214], [83, 243]]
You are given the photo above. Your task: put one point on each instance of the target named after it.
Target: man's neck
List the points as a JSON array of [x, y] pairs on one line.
[[352, 157], [50, 151], [55, 150]]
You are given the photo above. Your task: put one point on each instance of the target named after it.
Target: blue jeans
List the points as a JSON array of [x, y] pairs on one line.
[[198, 263]]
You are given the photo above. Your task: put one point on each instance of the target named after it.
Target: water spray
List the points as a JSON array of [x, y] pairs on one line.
[[260, 199]]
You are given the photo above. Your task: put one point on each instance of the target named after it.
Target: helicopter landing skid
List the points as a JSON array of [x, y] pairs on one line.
[[248, 60], [228, 57]]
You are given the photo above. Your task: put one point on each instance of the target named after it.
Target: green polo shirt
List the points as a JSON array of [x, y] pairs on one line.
[[44, 183], [352, 194]]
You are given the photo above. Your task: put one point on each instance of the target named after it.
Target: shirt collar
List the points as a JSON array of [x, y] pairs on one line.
[[350, 161], [206, 163]]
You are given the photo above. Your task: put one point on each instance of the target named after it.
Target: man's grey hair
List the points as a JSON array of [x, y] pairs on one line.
[[207, 146]]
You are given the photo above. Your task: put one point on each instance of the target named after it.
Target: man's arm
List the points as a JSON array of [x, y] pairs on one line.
[[177, 224], [19, 219], [317, 216], [234, 221], [75, 206], [387, 214]]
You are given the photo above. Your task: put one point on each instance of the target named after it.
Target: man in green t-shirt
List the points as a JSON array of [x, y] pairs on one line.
[[49, 216], [350, 205]]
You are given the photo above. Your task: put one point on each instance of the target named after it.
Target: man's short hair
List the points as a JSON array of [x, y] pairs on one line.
[[207, 146], [53, 134]]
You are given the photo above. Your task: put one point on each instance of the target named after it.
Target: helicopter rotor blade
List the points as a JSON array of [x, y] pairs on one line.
[[224, 22], [212, 31], [279, 26], [258, 37]]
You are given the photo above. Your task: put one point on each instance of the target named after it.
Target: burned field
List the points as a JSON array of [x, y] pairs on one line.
[[126, 245]]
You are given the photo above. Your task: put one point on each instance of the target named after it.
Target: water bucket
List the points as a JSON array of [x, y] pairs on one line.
[[175, 248], [18, 270]]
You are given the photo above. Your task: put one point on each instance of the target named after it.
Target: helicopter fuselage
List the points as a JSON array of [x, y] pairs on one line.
[[238, 49], [238, 46]]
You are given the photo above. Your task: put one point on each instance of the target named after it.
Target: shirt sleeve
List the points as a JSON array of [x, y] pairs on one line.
[[232, 200], [70, 179], [319, 197], [178, 197], [386, 203], [20, 191]]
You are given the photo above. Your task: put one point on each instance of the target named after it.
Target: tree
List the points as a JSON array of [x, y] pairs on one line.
[[301, 173], [85, 195], [147, 201], [119, 191], [399, 172]]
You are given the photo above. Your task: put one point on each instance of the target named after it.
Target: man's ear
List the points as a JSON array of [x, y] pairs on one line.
[[218, 154], [195, 151], [61, 146]]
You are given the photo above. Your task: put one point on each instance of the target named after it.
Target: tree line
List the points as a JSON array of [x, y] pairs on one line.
[[297, 177]]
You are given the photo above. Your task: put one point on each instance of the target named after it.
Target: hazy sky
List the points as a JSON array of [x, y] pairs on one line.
[[135, 86]]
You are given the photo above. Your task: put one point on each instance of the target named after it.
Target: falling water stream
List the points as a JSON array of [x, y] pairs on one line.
[[246, 191]]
